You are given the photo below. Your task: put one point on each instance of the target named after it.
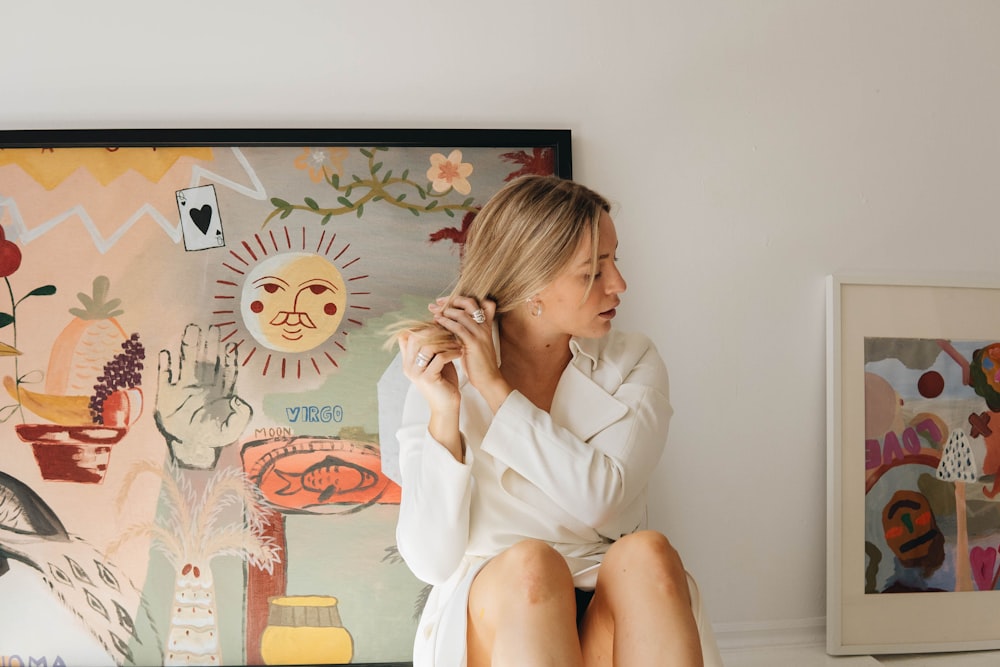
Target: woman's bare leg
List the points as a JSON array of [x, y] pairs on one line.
[[641, 611], [522, 610]]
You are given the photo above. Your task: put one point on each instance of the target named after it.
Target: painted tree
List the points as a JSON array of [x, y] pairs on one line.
[[193, 530]]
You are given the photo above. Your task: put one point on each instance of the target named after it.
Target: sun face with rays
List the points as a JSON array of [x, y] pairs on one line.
[[293, 302], [288, 301]]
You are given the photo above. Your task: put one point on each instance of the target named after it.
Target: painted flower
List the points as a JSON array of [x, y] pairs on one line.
[[10, 256], [317, 160], [450, 172]]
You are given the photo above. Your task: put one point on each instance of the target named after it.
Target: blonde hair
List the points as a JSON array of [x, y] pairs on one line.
[[521, 239]]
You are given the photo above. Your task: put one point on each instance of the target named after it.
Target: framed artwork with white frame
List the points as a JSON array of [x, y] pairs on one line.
[[913, 443]]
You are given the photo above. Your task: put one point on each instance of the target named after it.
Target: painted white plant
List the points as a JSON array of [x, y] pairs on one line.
[[194, 531]]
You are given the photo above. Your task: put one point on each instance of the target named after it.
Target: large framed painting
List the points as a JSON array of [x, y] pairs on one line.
[[194, 466], [914, 463]]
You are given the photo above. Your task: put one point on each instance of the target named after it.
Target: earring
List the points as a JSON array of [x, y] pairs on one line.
[[535, 308]]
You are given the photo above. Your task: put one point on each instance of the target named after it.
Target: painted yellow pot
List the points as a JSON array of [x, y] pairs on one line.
[[305, 629]]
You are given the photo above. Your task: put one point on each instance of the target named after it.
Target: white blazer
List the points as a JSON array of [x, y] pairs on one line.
[[574, 477]]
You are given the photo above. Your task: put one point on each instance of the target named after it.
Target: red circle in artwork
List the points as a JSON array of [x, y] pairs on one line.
[[930, 384], [10, 258]]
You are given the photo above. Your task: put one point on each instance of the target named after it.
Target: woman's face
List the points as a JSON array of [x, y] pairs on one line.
[[563, 305]]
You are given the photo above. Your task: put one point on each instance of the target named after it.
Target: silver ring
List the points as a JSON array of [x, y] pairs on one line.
[[422, 360], [478, 316]]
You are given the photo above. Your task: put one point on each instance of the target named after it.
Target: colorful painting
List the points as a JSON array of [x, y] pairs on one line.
[[932, 458], [191, 349], [913, 463]]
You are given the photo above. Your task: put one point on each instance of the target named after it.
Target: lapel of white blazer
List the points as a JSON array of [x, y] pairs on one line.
[[581, 404]]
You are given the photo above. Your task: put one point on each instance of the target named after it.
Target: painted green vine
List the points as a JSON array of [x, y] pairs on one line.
[[358, 192]]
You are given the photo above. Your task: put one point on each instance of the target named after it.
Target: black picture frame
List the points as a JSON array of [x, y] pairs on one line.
[[558, 140], [48, 495]]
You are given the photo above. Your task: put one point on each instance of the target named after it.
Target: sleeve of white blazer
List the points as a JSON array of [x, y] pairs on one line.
[[433, 526], [593, 476]]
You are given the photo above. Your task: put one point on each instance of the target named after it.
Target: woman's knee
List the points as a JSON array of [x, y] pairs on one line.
[[531, 570], [645, 545], [648, 555]]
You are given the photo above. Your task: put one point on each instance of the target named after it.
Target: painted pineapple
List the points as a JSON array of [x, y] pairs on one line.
[[94, 369], [89, 341]]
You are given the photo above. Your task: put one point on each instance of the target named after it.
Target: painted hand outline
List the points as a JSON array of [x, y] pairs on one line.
[[198, 412]]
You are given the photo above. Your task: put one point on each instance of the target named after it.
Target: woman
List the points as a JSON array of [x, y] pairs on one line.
[[529, 435]]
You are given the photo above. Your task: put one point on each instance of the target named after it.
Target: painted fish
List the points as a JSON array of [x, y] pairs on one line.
[[330, 477]]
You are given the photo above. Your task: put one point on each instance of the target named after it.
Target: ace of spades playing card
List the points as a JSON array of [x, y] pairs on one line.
[[200, 220]]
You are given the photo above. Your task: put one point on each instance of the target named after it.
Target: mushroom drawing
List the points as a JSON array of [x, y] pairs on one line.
[[958, 465]]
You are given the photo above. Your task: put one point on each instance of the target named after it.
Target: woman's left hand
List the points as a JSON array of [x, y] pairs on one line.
[[472, 324]]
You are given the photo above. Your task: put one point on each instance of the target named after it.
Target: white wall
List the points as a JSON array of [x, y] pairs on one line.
[[754, 147]]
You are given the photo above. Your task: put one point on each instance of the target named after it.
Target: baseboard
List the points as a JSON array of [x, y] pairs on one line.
[[793, 632]]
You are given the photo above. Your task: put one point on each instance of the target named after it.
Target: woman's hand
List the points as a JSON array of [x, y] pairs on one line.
[[430, 367], [472, 324]]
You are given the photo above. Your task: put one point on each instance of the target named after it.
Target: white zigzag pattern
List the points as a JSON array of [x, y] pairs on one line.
[[173, 231]]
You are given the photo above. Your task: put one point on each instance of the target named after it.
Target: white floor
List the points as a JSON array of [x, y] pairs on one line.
[[815, 656]]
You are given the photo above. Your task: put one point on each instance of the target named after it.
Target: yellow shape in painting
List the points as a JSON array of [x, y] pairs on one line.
[[305, 630], [51, 166], [293, 302]]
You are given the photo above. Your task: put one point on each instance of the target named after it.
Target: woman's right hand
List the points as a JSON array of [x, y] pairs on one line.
[[430, 367]]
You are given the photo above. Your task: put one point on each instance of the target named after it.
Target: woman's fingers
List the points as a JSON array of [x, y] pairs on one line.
[[471, 323], [471, 309], [490, 307], [465, 310], [477, 321], [420, 358]]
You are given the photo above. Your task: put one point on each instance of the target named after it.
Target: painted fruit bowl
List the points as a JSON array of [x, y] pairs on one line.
[[77, 452]]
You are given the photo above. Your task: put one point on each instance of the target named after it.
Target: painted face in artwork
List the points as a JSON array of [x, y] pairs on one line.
[[293, 302], [990, 362], [984, 372], [911, 530]]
